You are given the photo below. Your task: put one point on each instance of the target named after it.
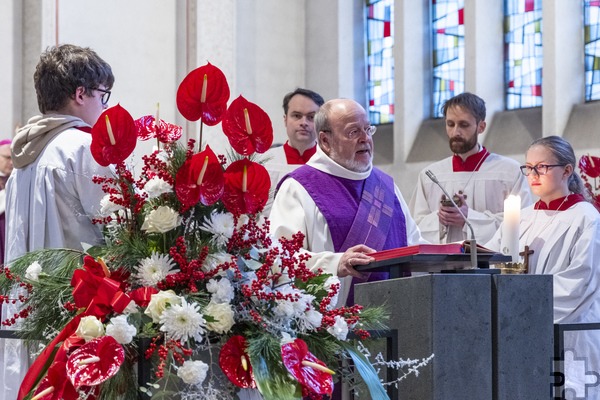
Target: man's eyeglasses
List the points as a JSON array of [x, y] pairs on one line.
[[540, 169], [356, 132], [105, 95]]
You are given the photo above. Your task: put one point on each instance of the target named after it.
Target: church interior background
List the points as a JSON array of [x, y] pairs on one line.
[[267, 48]]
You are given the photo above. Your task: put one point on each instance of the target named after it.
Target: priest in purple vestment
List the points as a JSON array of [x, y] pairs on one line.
[[345, 207]]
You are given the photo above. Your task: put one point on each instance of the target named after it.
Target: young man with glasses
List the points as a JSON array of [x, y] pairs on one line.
[[345, 207], [51, 199], [478, 180]]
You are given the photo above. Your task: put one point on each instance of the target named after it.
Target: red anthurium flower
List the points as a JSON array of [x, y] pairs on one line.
[[247, 187], [200, 179], [590, 166], [95, 362], [165, 132], [113, 136], [311, 372], [247, 127], [235, 363], [203, 94], [55, 385]]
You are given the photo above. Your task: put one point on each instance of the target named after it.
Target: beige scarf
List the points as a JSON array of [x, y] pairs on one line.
[[39, 131]]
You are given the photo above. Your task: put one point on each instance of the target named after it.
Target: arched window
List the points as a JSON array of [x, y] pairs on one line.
[[523, 53], [591, 21], [380, 61], [448, 44]]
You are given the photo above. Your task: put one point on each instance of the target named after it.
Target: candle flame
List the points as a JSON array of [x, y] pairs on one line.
[[244, 363], [43, 393], [204, 88], [90, 360], [320, 367], [245, 179], [111, 137], [247, 118], [203, 171]]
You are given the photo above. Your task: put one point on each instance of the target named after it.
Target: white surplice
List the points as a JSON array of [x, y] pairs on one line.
[[50, 204], [486, 189], [566, 245], [295, 211]]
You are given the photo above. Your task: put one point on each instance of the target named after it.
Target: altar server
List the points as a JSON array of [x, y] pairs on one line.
[[479, 180], [563, 230]]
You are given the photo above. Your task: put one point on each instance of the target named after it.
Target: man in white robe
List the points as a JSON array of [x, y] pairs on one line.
[[479, 180], [51, 199], [299, 109], [349, 160]]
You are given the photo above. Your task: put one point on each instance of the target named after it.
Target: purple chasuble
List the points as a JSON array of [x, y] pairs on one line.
[[357, 211]]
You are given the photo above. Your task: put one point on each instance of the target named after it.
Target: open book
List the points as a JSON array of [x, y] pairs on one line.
[[450, 248]]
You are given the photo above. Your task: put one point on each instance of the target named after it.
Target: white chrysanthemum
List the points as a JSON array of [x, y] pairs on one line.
[[131, 308], [213, 260], [310, 320], [154, 269], [107, 207], [157, 186], [183, 322], [332, 280], [340, 329], [220, 225], [193, 372], [33, 271], [222, 290], [121, 330], [223, 313]]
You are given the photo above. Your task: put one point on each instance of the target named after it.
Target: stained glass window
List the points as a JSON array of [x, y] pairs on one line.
[[591, 23], [448, 51], [523, 53], [380, 60]]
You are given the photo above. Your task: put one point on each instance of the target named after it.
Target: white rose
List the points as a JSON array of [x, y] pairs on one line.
[[223, 313], [121, 330], [33, 272], [159, 302], [89, 328], [161, 220], [157, 186], [193, 372], [340, 329]]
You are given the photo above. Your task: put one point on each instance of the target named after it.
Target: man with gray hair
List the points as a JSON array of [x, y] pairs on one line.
[[345, 207]]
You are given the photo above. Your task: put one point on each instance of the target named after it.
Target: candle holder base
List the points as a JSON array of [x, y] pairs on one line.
[[513, 268]]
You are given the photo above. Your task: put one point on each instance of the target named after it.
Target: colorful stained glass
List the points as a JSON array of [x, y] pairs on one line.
[[380, 61], [591, 26], [448, 51], [523, 53]]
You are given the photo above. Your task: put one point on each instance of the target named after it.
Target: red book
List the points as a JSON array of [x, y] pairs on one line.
[[450, 248]]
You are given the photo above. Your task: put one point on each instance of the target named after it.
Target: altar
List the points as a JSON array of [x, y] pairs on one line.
[[491, 335]]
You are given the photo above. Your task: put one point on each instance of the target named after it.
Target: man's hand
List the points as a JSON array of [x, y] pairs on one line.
[[355, 255], [449, 215]]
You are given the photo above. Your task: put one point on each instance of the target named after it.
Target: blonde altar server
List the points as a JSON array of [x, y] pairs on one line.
[[51, 198], [563, 230], [481, 180]]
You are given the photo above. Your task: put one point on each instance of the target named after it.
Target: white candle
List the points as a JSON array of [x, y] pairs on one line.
[[510, 228]]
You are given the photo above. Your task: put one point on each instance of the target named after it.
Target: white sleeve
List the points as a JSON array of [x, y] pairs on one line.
[[426, 218]]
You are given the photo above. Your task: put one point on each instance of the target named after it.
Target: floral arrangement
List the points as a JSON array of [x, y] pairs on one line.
[[589, 167], [189, 281]]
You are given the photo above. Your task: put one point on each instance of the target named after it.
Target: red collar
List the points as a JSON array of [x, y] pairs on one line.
[[293, 156], [85, 129], [472, 163], [558, 205]]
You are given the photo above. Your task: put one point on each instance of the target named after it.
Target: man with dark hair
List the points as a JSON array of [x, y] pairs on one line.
[[478, 180], [345, 207], [51, 199]]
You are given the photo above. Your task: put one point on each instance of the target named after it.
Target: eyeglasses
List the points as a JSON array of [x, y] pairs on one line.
[[540, 169], [356, 132], [105, 95]]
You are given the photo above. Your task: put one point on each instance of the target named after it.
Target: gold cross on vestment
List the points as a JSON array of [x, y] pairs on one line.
[[525, 254]]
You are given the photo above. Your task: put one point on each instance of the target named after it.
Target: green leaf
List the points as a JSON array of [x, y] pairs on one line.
[[368, 373], [275, 387]]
